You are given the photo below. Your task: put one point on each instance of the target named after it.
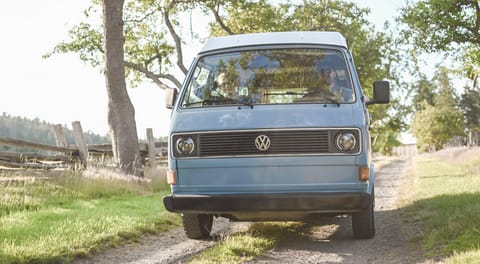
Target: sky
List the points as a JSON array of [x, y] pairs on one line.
[[62, 88]]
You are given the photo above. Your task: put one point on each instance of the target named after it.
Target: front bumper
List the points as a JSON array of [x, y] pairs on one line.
[[284, 202]]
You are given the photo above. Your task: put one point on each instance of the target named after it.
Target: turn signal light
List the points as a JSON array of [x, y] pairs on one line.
[[364, 173], [171, 177]]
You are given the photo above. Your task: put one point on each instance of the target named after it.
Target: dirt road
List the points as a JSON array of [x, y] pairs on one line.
[[333, 241], [328, 242], [169, 247]]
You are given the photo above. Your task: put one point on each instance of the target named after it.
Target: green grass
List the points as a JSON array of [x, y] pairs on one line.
[[243, 247], [445, 201], [54, 221]]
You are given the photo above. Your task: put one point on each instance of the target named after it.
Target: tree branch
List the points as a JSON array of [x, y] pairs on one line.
[[156, 57], [142, 19], [176, 39], [219, 20], [154, 77], [476, 31]]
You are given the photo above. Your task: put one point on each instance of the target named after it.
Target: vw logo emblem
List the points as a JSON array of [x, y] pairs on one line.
[[262, 142]]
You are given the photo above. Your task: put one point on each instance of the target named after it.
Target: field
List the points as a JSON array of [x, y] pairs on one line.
[[443, 199], [440, 200], [45, 219], [54, 220]]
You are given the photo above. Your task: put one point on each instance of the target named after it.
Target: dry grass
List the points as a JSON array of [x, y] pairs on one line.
[[381, 161], [443, 193], [68, 215], [457, 154]]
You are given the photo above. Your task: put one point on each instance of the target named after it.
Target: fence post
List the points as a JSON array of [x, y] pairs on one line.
[[80, 142], [59, 136], [151, 148]]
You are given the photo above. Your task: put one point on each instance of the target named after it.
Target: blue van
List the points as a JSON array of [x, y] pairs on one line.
[[272, 127]]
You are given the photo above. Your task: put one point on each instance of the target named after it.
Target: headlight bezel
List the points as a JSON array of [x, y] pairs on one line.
[[345, 141], [340, 148], [184, 145]]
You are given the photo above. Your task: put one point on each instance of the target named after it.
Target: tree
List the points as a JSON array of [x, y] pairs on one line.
[[386, 136], [148, 52], [372, 50], [153, 46], [121, 114], [470, 106], [446, 25], [424, 91], [434, 125], [145, 53], [38, 131]]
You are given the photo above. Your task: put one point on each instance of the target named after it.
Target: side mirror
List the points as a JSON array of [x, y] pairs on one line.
[[381, 93], [170, 97]]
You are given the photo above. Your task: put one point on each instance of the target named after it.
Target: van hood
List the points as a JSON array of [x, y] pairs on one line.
[[267, 117]]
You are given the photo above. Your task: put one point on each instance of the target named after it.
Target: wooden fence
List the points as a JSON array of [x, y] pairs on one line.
[[406, 150], [63, 155]]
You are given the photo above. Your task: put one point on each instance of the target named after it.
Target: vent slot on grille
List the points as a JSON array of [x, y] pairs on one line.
[[281, 142]]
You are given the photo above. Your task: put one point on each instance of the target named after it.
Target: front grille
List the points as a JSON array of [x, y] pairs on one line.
[[282, 142]]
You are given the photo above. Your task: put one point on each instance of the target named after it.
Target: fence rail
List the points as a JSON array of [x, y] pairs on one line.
[[406, 150], [64, 155]]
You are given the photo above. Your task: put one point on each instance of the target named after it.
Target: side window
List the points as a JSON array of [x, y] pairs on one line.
[[199, 86], [201, 76]]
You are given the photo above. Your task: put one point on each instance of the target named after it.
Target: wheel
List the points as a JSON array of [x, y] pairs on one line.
[[197, 225], [363, 222]]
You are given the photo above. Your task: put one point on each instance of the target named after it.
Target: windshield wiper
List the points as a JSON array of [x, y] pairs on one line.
[[246, 102], [327, 100], [211, 101], [331, 100], [286, 93], [318, 97], [221, 101]]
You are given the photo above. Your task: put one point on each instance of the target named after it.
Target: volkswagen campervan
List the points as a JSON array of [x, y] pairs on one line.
[[272, 126]]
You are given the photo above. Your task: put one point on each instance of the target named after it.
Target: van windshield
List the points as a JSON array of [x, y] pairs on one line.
[[271, 76]]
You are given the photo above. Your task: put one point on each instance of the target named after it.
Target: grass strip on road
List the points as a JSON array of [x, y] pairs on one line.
[[445, 201], [243, 247], [54, 221]]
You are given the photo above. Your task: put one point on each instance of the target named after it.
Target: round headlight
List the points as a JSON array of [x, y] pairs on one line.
[[185, 146], [346, 141]]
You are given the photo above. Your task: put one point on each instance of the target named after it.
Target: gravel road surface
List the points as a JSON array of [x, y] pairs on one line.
[[333, 242], [330, 241]]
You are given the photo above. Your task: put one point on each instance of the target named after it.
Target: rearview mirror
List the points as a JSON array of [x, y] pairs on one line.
[[381, 93], [170, 97]]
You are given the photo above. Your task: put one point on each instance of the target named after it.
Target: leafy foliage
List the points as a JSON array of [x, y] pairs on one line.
[[450, 26], [446, 25], [385, 136], [153, 45], [372, 50], [424, 91], [148, 52], [470, 105], [437, 25], [88, 44], [434, 125]]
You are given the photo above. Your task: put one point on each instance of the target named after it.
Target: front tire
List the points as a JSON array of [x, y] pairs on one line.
[[197, 226], [363, 222]]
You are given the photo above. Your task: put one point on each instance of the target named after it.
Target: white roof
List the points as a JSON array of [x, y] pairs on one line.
[[272, 38]]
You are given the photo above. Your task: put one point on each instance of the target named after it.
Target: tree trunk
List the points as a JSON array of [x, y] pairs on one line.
[[121, 114]]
